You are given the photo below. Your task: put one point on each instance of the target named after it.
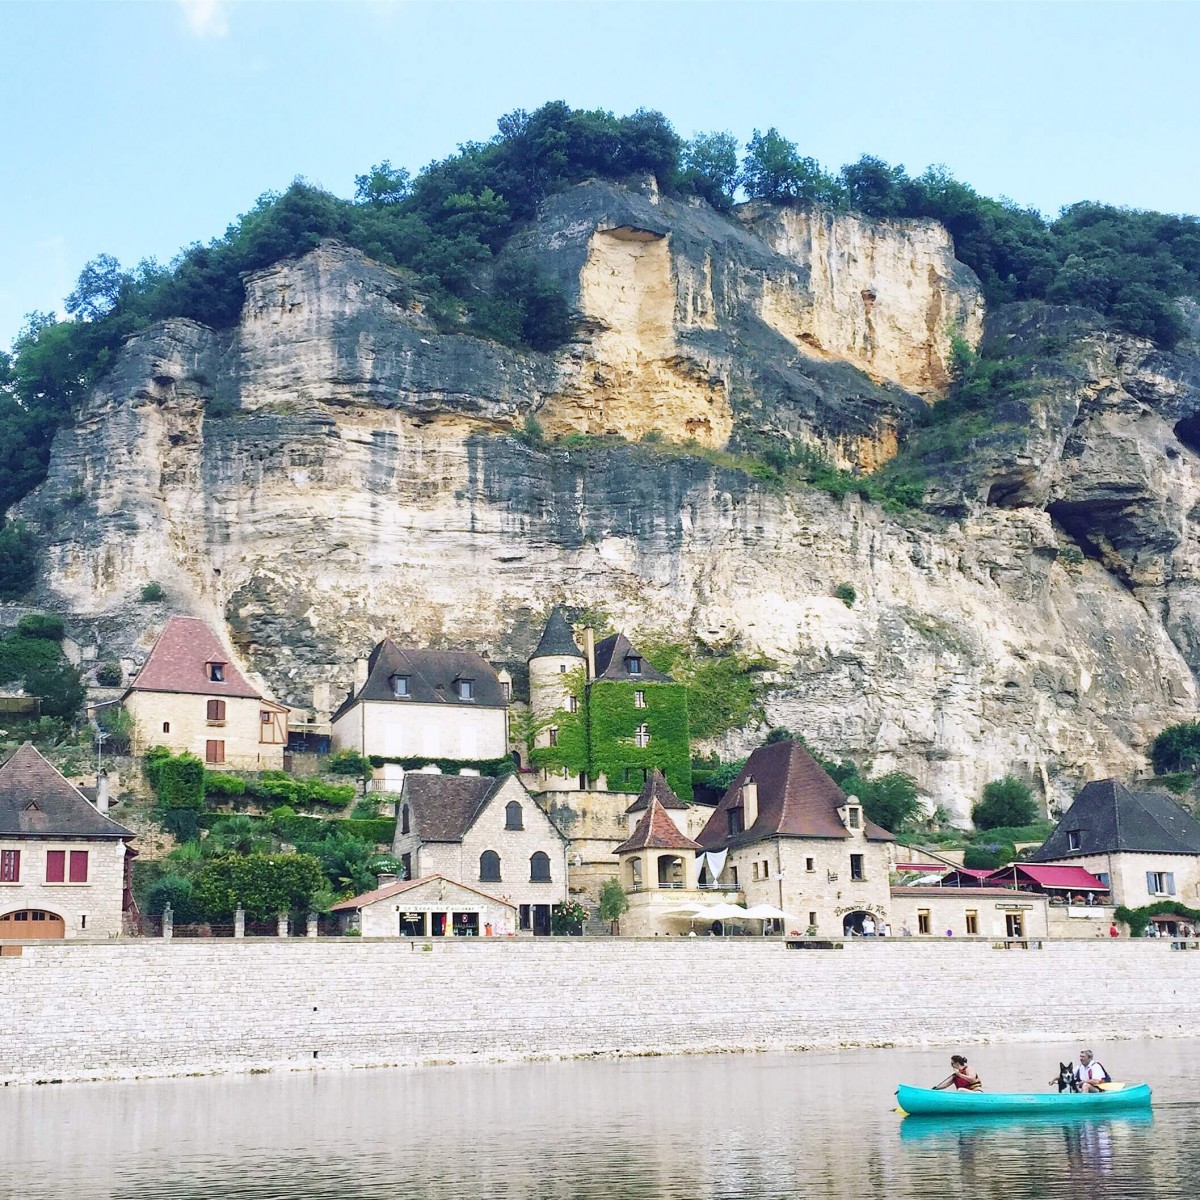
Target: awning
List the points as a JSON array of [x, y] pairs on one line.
[[1066, 879]]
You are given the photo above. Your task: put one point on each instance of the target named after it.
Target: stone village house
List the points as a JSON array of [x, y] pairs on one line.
[[785, 834], [190, 696], [64, 864], [432, 704], [485, 833], [1142, 845]]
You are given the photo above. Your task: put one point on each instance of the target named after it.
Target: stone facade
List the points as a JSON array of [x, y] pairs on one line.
[[247, 738], [938, 912], [430, 907], [351, 1002], [457, 853], [422, 731], [90, 909]]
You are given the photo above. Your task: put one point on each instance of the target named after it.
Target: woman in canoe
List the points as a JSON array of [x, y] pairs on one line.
[[962, 1077]]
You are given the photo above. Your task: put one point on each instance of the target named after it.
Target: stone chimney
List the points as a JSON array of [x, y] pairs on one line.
[[589, 652], [749, 802], [102, 791], [384, 878], [360, 673]]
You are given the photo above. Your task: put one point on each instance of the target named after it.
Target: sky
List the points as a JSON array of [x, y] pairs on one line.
[[134, 129]]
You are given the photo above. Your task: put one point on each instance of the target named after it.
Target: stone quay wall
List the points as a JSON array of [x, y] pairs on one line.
[[80, 1011]]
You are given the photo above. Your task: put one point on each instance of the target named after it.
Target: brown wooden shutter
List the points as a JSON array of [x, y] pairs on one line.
[[214, 752]]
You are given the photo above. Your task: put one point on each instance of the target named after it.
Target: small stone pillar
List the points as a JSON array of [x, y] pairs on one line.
[[239, 922], [281, 925], [168, 923], [310, 929]]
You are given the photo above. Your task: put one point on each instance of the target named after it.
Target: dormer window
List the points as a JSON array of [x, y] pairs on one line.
[[464, 689], [1074, 839], [505, 690], [215, 672], [400, 686], [734, 818], [854, 817], [633, 664]]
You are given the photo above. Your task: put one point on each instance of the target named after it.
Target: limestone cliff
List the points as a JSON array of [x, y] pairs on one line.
[[336, 469]]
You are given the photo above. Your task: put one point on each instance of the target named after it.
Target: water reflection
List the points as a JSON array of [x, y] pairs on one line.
[[727, 1128]]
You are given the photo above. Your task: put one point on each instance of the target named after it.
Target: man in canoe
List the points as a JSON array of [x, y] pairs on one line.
[[962, 1077], [1089, 1074]]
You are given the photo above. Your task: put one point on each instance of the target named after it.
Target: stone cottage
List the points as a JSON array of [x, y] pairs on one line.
[[486, 833], [191, 696], [429, 907], [64, 864]]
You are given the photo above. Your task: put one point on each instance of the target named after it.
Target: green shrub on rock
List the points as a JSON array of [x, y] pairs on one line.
[[1007, 801]]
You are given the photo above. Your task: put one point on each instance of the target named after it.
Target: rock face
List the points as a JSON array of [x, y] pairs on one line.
[[335, 470]]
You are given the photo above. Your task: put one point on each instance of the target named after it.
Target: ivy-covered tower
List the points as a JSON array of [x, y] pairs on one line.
[[606, 717], [557, 691]]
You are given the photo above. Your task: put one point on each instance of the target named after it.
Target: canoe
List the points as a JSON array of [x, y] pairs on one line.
[[926, 1101]]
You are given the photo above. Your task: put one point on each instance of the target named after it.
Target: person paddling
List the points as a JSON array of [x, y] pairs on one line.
[[961, 1076]]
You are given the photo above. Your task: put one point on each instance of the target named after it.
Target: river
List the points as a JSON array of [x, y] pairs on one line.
[[719, 1127]]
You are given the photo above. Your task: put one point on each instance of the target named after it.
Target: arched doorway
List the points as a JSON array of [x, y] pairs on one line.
[[852, 923], [32, 923]]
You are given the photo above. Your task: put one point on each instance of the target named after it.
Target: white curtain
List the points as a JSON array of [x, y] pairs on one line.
[[716, 863]]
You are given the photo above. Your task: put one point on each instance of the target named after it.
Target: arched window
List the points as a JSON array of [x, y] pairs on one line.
[[489, 867], [404, 820], [539, 868], [512, 817]]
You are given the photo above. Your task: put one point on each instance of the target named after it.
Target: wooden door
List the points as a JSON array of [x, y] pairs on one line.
[[32, 923]]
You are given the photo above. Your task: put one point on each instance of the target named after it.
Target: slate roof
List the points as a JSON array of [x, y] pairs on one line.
[[444, 807], [36, 801], [179, 658], [611, 654], [431, 676], [656, 831], [557, 639], [1110, 817], [657, 788], [796, 798], [404, 885]]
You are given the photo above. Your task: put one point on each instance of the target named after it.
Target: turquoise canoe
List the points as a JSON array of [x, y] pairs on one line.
[[928, 1102]]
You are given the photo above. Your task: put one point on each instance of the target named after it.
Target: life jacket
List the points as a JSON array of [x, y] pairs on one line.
[[966, 1084]]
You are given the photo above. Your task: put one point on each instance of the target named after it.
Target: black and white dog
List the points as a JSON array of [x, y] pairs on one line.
[[1066, 1078]]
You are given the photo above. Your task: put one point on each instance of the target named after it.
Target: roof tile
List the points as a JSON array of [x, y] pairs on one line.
[[36, 801], [179, 660]]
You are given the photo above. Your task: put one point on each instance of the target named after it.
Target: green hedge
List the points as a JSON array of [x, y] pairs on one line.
[[280, 788], [297, 827], [1138, 918], [177, 780]]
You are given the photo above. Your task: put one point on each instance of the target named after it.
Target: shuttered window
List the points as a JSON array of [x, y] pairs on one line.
[[214, 752], [79, 866], [216, 710], [10, 866], [56, 866]]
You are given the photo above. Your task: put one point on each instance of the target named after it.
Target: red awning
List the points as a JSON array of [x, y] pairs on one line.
[[1067, 879]]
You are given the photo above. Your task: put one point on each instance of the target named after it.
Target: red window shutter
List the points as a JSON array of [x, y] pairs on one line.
[[10, 866], [214, 752], [56, 866], [79, 866]]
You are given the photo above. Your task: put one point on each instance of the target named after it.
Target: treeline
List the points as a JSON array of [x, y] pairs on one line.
[[451, 223]]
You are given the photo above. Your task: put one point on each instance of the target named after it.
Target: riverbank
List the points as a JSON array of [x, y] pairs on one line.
[[137, 1009]]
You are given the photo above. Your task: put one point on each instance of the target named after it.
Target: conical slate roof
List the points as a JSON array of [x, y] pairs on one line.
[[557, 639], [657, 788], [656, 831]]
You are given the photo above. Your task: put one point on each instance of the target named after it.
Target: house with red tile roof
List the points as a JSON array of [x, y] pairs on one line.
[[64, 863], [431, 907], [191, 695], [658, 863], [786, 835]]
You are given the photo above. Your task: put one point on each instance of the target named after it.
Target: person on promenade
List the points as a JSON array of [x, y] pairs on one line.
[[961, 1076], [868, 927]]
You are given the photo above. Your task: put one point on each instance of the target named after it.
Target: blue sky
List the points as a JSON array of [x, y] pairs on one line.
[[136, 128]]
